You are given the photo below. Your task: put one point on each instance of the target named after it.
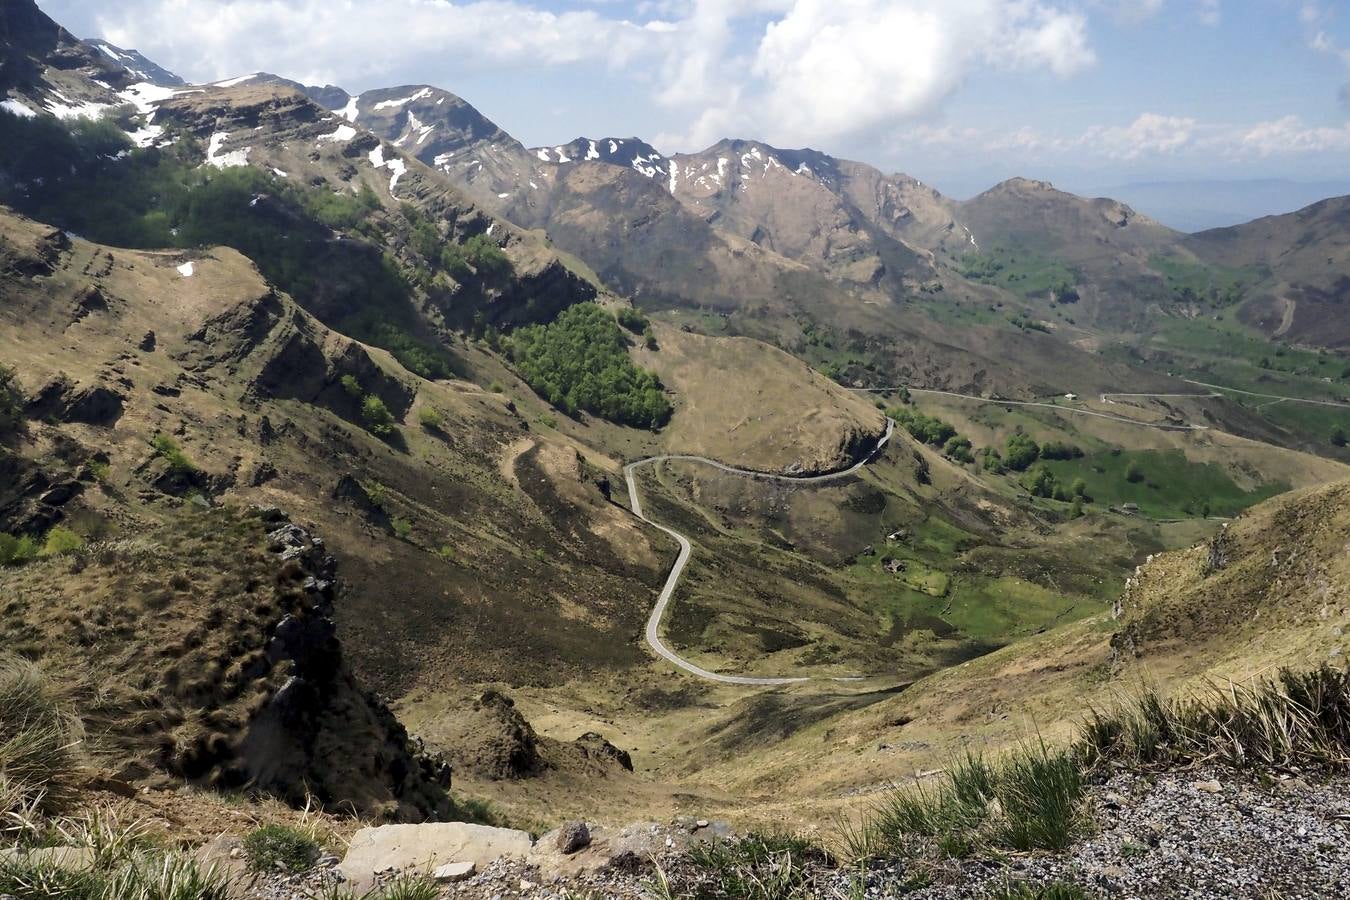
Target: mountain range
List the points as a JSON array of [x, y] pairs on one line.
[[331, 420]]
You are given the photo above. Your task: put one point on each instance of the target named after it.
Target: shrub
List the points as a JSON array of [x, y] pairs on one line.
[[283, 847], [376, 416], [403, 529], [1058, 450], [633, 320], [1133, 473], [15, 550], [431, 418], [1338, 438], [1020, 451], [178, 462], [61, 541], [580, 362], [352, 387]]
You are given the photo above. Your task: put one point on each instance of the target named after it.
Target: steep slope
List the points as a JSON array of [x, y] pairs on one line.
[[1095, 253], [137, 66], [1276, 582], [1304, 294]]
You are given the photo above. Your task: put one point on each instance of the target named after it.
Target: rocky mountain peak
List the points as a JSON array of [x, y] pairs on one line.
[[140, 68]]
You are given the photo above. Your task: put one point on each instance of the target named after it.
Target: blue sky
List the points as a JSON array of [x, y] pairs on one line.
[[960, 93]]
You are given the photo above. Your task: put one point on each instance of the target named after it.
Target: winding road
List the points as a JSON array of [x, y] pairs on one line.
[[1161, 426], [686, 550]]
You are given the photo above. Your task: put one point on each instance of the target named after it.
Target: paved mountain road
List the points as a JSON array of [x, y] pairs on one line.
[[653, 634]]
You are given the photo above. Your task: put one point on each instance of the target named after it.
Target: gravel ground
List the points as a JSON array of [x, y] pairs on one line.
[[1188, 835]]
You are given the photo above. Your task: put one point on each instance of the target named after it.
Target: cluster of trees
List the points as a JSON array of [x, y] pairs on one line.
[[1041, 482], [933, 431], [580, 362], [637, 323]]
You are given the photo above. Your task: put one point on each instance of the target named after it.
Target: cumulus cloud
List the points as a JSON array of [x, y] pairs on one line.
[[794, 71], [1150, 134], [328, 40], [1289, 135], [831, 68]]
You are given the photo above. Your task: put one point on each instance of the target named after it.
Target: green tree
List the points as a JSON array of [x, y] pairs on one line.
[[958, 448], [1079, 489], [1338, 438], [1133, 473], [1020, 451], [1040, 482]]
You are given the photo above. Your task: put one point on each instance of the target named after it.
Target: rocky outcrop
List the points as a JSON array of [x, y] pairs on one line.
[[424, 848], [319, 733]]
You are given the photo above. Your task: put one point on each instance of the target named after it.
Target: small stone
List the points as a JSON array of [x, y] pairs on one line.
[[455, 871], [526, 885], [701, 823], [1209, 787], [573, 836]]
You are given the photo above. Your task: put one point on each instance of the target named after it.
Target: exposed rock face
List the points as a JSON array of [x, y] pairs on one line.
[[320, 732]]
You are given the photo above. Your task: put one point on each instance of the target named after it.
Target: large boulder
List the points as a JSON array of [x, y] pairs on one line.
[[425, 848]]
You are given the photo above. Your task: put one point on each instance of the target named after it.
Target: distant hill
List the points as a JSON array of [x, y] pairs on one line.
[[1200, 205]]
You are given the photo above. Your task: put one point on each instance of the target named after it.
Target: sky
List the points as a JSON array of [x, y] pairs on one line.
[[958, 93]]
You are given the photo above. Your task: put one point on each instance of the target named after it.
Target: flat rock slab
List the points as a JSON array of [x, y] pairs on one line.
[[454, 872], [424, 848]]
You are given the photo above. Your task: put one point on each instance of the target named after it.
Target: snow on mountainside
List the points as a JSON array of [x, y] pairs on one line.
[[137, 65]]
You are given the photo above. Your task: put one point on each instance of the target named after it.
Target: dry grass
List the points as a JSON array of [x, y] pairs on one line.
[[1294, 720], [39, 740]]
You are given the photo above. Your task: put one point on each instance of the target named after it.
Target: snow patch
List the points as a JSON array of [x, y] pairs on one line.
[[491, 228], [14, 107], [562, 157], [674, 174], [350, 111], [279, 173], [390, 104], [72, 109], [145, 95], [502, 196], [116, 57], [225, 160], [442, 160], [542, 154], [146, 137], [377, 156], [613, 147], [343, 133], [534, 186], [399, 168], [592, 153], [232, 82], [186, 270]]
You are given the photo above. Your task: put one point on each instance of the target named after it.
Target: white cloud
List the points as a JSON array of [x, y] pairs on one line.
[[1150, 134], [328, 40], [1290, 135], [822, 70]]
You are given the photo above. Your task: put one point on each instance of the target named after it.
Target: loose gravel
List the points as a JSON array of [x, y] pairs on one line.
[[1188, 835]]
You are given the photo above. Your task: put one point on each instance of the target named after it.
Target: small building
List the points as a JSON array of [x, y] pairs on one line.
[[1070, 396]]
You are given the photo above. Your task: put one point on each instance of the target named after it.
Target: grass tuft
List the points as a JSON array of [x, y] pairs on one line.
[[1032, 800], [756, 867], [38, 741], [281, 847], [1294, 720]]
